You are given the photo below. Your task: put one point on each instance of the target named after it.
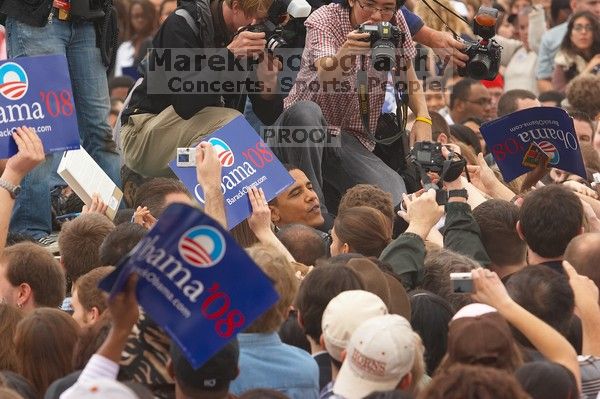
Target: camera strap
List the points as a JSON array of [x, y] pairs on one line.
[[451, 170], [451, 11], [364, 106]]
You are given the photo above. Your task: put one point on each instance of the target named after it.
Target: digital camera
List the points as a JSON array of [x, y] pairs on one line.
[[186, 157], [273, 34], [462, 282], [384, 38], [484, 55], [275, 27], [428, 155]]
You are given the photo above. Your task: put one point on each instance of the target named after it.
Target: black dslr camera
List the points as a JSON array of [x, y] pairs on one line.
[[484, 55], [384, 39], [273, 34], [277, 32], [426, 156]]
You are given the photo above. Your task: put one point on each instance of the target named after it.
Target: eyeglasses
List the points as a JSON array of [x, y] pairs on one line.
[[484, 102], [370, 7], [582, 28]]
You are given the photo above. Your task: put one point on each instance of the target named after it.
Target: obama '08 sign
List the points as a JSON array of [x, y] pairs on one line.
[[195, 282]]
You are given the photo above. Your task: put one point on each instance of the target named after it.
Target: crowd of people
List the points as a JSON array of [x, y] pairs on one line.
[[360, 254]]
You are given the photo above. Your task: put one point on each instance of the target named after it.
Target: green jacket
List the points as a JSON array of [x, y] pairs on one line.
[[406, 254]]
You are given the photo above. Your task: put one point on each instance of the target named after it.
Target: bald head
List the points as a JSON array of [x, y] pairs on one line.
[[583, 253], [304, 243]]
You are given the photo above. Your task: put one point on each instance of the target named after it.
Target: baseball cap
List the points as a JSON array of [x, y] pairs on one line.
[[485, 339], [473, 310], [343, 314], [214, 375], [99, 388], [380, 353], [385, 286]]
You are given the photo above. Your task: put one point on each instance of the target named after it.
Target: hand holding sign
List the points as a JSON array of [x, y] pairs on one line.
[[208, 167], [260, 219], [208, 171], [27, 96], [29, 155], [124, 314], [521, 141], [97, 206], [245, 161], [195, 281]]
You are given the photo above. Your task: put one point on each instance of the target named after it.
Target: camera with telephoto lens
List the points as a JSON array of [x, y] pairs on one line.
[[384, 38], [277, 34], [484, 55]]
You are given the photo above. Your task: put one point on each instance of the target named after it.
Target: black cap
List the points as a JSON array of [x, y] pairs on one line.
[[214, 375]]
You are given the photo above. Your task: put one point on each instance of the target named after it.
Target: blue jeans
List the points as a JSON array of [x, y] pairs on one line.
[[77, 41]]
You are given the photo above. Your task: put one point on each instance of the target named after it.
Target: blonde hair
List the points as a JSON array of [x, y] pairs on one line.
[[280, 270], [249, 7], [432, 21]]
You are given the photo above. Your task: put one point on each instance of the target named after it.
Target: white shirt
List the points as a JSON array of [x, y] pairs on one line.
[[125, 57], [520, 72]]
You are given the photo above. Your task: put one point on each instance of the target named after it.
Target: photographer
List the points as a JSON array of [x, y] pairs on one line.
[[328, 77], [37, 27], [155, 125]]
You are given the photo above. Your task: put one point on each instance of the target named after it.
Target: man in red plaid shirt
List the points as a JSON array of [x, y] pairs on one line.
[[324, 96]]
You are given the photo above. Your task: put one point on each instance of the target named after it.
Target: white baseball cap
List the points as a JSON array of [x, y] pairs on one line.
[[473, 310], [100, 388], [380, 353], [343, 314]]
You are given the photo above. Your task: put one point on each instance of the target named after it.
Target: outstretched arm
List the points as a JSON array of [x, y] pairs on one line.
[[29, 155]]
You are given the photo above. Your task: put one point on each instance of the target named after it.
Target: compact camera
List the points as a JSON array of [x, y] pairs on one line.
[[186, 157], [384, 38], [484, 55], [462, 282]]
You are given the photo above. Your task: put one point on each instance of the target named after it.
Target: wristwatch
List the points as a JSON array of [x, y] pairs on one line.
[[459, 193], [11, 188]]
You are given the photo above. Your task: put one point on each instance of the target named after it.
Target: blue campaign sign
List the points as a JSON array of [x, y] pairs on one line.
[[246, 161], [36, 92], [521, 140], [195, 282]]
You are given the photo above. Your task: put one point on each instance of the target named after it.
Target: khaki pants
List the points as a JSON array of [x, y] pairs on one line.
[[150, 141]]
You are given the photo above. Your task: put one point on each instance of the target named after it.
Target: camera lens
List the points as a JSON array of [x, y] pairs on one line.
[[479, 66], [275, 42], [384, 55]]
